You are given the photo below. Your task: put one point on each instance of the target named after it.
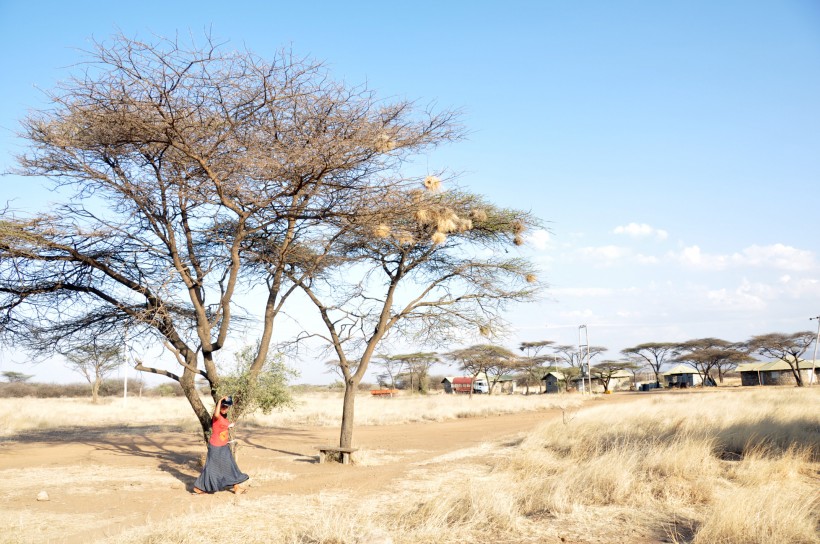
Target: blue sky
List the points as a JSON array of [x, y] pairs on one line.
[[672, 148]]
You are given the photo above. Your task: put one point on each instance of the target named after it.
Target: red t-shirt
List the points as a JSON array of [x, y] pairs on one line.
[[219, 431]]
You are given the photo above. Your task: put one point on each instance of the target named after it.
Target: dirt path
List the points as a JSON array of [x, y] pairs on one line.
[[102, 481]]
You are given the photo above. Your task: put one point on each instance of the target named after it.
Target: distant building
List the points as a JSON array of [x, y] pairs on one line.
[[683, 376], [553, 381], [620, 381], [504, 384], [776, 372]]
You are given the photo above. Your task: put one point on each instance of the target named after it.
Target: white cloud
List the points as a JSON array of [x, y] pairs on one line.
[[582, 292], [747, 297], [777, 256], [641, 230], [578, 315], [604, 255], [646, 259], [539, 239]]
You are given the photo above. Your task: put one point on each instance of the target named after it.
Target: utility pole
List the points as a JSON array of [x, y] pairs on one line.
[[813, 359], [581, 345]]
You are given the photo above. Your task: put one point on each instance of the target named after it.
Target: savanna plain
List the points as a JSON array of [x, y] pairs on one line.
[[721, 465]]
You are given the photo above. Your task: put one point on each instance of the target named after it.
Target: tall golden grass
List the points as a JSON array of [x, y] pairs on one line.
[[718, 467]]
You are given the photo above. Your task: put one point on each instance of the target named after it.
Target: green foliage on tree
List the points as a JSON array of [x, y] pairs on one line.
[[16, 377], [266, 391]]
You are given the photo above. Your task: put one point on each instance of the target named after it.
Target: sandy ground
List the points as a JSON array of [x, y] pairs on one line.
[[104, 480]]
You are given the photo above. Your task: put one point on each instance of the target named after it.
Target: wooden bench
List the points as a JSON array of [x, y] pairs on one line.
[[326, 451]]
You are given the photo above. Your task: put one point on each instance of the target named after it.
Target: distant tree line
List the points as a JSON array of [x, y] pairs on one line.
[[711, 358]]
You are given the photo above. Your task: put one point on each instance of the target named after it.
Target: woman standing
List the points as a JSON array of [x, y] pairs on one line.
[[220, 469]]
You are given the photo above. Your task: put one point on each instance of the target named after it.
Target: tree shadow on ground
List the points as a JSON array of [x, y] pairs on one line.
[[134, 441]]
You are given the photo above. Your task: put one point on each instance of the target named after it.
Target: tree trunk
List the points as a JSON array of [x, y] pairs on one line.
[[798, 378], [188, 385], [95, 391], [346, 436]]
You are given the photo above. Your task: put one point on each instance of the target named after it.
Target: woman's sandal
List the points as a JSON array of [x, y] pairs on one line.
[[238, 490], [198, 491]]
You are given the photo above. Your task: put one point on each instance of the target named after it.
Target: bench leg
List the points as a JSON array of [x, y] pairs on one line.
[[321, 457], [345, 458]]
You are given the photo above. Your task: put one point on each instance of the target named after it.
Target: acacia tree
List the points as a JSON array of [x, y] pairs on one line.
[[706, 354], [786, 347], [502, 362], [418, 366], [570, 356], [392, 368], [193, 173], [12, 376], [656, 354], [421, 263], [532, 364], [94, 361], [606, 370], [482, 359]]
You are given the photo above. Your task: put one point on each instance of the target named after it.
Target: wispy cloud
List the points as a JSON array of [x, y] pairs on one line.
[[582, 292], [539, 239], [747, 296], [604, 255], [641, 230], [776, 256], [586, 292], [609, 255]]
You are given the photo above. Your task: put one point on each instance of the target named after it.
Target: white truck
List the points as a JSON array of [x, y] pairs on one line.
[[481, 386]]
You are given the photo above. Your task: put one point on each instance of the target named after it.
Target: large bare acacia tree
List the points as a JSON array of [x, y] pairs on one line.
[[193, 172], [419, 263]]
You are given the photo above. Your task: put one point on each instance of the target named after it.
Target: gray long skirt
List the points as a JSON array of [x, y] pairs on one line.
[[220, 470]]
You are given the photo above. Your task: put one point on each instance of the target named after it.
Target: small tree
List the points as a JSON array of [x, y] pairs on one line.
[[265, 391], [392, 369], [94, 362], [606, 370], [417, 366], [502, 362], [708, 354], [16, 377], [656, 354], [532, 364], [570, 356], [476, 360], [786, 347]]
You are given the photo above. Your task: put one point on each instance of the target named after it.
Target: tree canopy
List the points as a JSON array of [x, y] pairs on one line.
[[193, 173]]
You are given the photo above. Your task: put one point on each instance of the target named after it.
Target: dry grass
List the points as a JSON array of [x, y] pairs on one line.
[[312, 409], [724, 467], [324, 409], [32, 414]]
